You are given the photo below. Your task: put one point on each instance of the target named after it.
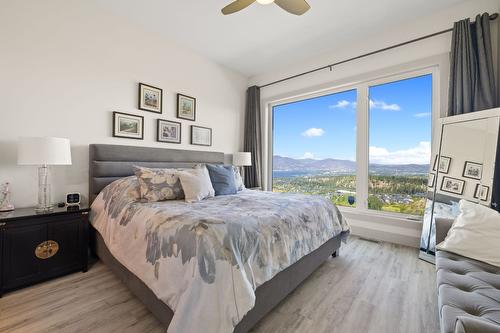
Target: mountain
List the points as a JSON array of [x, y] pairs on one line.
[[330, 165], [291, 164]]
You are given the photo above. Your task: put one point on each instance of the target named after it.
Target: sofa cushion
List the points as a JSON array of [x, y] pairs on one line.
[[466, 287]]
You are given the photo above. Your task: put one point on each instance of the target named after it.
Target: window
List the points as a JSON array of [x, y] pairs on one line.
[[400, 145], [314, 147], [367, 147]]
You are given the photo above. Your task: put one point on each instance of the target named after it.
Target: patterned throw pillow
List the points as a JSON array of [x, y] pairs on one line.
[[159, 184], [238, 180]]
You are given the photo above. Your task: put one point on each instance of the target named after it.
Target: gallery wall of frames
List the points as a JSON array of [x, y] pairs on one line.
[[150, 99]]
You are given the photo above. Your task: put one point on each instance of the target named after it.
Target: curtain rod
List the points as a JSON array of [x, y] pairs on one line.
[[492, 18]]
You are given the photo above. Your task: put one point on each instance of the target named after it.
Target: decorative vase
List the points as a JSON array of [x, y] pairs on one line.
[[5, 204]]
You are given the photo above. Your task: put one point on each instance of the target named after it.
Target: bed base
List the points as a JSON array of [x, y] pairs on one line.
[[268, 295]]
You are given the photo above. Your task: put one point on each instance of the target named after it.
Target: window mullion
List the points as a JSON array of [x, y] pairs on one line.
[[362, 147]]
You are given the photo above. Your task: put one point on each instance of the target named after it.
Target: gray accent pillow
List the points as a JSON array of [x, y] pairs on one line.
[[159, 184], [222, 178]]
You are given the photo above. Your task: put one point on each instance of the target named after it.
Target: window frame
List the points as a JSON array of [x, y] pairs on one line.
[[362, 132]]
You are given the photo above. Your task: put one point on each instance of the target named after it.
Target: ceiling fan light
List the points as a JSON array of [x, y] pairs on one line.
[[265, 2]]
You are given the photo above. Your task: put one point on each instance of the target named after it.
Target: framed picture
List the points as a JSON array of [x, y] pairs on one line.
[[169, 131], [201, 136], [128, 126], [453, 185], [186, 107], [150, 98], [473, 170], [444, 164], [431, 180], [481, 192]]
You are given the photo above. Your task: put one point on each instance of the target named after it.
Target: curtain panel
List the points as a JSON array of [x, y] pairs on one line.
[[252, 137], [472, 78]]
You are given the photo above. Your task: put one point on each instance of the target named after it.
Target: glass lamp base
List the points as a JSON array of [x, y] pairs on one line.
[[44, 204], [46, 209]]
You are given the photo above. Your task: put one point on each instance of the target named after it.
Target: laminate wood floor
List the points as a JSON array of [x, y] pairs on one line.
[[371, 287]]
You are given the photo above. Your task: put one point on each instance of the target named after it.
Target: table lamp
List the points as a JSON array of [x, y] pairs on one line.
[[242, 159], [43, 152]]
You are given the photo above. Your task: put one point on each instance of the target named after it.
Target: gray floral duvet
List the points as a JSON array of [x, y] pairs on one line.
[[205, 259]]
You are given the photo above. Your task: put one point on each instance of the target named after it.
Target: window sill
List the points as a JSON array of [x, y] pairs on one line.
[[387, 218], [385, 227]]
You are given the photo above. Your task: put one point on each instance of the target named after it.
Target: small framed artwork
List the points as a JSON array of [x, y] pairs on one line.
[[481, 192], [444, 164], [453, 185], [473, 170], [431, 180], [201, 136], [169, 131], [128, 126], [150, 98], [186, 107]]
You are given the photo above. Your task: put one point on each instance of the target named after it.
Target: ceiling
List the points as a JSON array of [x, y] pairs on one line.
[[261, 38]]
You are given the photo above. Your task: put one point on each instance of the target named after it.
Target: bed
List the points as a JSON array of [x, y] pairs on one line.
[[255, 280]]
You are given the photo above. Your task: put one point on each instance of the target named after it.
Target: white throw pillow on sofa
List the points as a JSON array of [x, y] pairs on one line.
[[196, 184], [475, 234]]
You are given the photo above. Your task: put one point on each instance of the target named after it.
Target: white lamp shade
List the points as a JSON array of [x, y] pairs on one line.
[[40, 151], [242, 159]]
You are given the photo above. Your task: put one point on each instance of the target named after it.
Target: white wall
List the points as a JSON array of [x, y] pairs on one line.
[[433, 51], [65, 65]]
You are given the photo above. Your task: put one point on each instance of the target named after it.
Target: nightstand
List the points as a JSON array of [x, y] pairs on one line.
[[37, 247]]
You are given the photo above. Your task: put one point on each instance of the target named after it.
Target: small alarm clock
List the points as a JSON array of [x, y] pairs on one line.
[[73, 199]]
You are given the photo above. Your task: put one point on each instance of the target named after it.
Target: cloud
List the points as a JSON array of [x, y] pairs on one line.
[[416, 155], [313, 131], [383, 106], [308, 155], [422, 115], [343, 104]]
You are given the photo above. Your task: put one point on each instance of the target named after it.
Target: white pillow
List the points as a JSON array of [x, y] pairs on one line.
[[475, 233], [196, 184]]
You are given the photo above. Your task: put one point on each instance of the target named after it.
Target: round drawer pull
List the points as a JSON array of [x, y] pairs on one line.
[[46, 249]]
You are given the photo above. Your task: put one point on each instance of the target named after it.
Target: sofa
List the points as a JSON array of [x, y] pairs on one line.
[[468, 290]]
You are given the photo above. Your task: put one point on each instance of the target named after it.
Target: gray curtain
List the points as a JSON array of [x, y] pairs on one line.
[[472, 81], [252, 138]]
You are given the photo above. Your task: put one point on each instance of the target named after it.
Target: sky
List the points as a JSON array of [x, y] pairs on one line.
[[325, 127]]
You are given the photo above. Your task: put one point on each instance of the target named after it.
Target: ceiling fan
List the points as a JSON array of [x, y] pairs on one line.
[[297, 7]]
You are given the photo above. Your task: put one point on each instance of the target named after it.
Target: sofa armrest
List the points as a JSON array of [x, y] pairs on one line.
[[442, 227], [475, 325]]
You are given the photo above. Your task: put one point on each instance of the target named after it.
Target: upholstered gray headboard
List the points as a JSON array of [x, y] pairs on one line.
[[111, 162]]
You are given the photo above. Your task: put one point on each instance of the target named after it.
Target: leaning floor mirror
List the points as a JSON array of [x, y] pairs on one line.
[[463, 167]]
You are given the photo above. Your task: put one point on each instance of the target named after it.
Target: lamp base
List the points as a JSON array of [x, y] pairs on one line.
[[44, 204], [41, 210]]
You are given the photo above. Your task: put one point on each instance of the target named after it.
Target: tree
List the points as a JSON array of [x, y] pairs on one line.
[[374, 203]]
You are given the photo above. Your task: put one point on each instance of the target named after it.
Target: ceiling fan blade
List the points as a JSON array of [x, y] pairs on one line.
[[236, 6], [297, 7]]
